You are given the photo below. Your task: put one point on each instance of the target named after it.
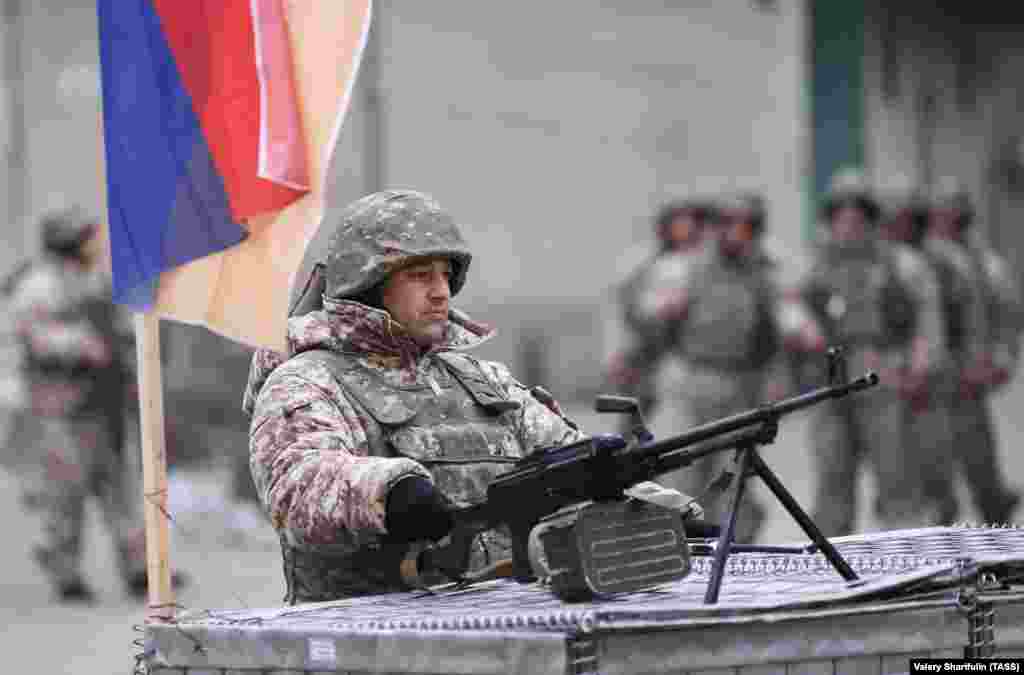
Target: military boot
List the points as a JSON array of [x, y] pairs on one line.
[[75, 591], [1001, 510]]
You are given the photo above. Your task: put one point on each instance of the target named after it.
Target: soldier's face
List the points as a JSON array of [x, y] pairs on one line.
[[417, 297], [94, 248], [683, 231], [900, 228], [737, 238], [944, 223], [849, 224]]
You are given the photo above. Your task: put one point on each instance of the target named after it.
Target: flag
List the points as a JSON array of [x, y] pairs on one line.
[[219, 121]]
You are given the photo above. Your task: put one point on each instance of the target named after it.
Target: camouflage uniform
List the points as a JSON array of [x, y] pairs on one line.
[[357, 406], [880, 302], [984, 323], [928, 439], [632, 332], [624, 328], [727, 342], [76, 383]]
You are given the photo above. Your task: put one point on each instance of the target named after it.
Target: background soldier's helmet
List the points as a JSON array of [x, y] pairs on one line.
[[747, 205], [951, 194], [65, 232], [849, 187], [900, 194], [388, 230]]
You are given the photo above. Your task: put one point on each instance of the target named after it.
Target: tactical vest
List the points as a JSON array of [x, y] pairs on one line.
[[87, 390], [955, 297], [859, 301], [729, 324], [461, 432]]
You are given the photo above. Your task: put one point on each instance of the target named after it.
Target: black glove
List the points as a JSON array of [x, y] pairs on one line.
[[416, 511]]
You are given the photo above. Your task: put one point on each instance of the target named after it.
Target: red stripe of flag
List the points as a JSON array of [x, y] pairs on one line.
[[213, 46], [282, 156]]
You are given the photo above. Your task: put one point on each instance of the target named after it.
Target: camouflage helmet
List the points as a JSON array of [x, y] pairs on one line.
[[900, 193], [385, 231], [849, 187], [951, 194], [750, 203], [64, 232]]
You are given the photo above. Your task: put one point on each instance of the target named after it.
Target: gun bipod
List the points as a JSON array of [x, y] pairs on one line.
[[751, 464]]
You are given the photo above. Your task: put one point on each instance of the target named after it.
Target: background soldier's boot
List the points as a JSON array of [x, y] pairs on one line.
[[940, 496], [1001, 508], [948, 513], [75, 591], [68, 586]]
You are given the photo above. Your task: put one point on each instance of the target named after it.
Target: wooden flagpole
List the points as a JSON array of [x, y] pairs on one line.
[[154, 467], [154, 452]]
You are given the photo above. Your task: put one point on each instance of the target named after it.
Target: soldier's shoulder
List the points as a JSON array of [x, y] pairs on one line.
[[772, 251], [906, 259], [993, 260], [38, 283], [496, 371], [676, 266], [901, 253], [15, 277], [632, 262], [303, 376]]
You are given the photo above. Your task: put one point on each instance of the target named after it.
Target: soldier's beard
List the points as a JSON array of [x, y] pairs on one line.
[[429, 333]]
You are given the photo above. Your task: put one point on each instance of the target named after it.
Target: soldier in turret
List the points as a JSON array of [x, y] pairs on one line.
[[378, 420]]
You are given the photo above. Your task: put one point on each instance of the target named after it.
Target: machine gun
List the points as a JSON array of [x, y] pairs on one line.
[[596, 540]]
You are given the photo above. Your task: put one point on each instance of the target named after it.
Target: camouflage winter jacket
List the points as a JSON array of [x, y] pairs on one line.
[[982, 295], [323, 454], [70, 335], [882, 301]]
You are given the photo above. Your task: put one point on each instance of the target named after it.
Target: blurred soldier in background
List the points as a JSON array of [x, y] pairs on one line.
[[929, 437], [76, 358], [877, 302], [984, 302], [633, 335], [720, 309]]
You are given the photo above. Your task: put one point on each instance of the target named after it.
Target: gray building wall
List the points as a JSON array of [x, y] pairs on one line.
[[943, 97], [553, 134], [552, 130]]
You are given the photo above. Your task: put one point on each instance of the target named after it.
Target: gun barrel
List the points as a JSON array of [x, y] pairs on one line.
[[682, 457], [751, 417]]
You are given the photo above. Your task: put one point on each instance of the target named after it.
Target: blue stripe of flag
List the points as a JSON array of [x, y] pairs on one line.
[[167, 204]]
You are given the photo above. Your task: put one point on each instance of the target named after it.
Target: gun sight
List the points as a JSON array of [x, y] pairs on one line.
[[616, 404]]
